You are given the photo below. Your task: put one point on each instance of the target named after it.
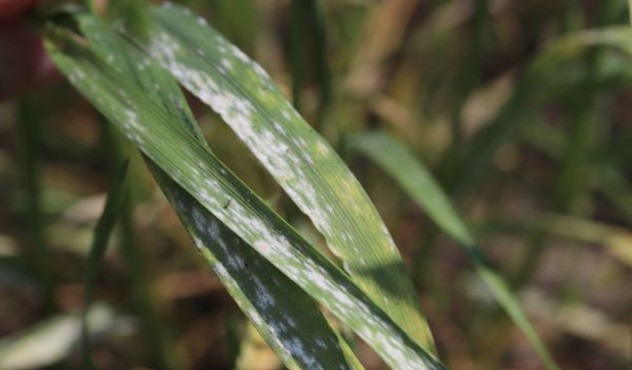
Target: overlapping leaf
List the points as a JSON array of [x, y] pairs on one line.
[[166, 140], [396, 160], [262, 292], [299, 159]]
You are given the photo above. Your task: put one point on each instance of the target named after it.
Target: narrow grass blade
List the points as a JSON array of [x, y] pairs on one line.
[[297, 52], [165, 139], [263, 292], [38, 251], [616, 240], [475, 158], [102, 232], [396, 160], [308, 42], [572, 46], [299, 159]]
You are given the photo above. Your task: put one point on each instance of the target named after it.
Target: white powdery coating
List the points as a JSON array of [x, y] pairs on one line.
[[268, 143], [131, 118], [268, 242], [239, 114], [79, 74], [281, 336], [390, 347], [264, 297], [227, 65], [275, 247], [405, 358], [272, 152], [112, 103], [199, 222], [254, 315], [168, 45], [296, 345]]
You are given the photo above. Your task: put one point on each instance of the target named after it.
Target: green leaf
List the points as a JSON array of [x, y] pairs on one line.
[[557, 53], [300, 160], [102, 232], [282, 313], [396, 160], [262, 293], [550, 68], [171, 146], [308, 41], [616, 240]]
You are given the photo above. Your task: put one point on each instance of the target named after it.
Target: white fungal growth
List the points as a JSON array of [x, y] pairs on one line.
[[228, 66], [201, 21], [264, 298], [284, 160], [237, 53], [263, 310], [238, 112]]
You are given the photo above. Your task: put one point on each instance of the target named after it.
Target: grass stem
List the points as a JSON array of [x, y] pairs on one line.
[[38, 251]]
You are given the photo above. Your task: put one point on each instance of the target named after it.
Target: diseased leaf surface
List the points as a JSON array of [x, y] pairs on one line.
[[169, 144], [301, 161], [262, 293]]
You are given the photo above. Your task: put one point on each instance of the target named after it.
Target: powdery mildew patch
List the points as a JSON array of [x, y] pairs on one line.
[[254, 225], [263, 293], [263, 306], [299, 159]]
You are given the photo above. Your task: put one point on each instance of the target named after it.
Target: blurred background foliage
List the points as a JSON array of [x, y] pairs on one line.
[[521, 109]]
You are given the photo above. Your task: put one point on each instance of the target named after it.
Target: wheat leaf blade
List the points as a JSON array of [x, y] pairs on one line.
[[189, 163], [300, 160], [410, 173], [262, 292]]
